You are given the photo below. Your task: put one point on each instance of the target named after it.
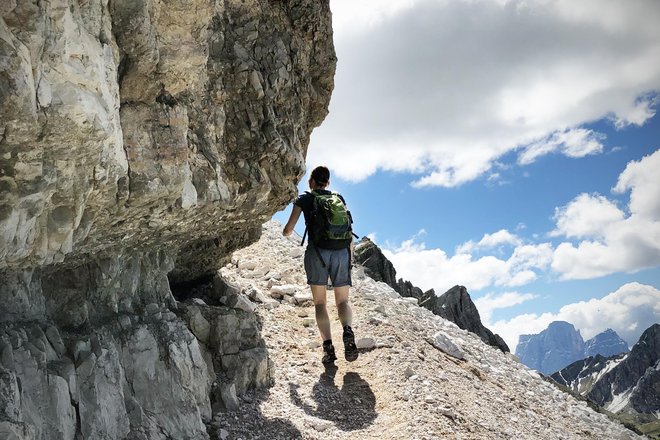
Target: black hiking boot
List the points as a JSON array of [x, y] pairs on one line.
[[328, 353], [350, 349]]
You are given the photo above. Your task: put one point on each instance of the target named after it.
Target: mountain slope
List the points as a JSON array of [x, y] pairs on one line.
[[454, 305], [580, 376], [620, 388], [627, 384], [401, 386]]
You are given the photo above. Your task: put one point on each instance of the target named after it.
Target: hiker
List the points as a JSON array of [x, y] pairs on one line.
[[328, 254]]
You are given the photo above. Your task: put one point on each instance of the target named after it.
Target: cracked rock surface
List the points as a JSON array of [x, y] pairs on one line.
[[141, 142], [128, 125]]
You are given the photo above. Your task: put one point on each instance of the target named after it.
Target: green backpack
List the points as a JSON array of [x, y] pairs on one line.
[[330, 222]]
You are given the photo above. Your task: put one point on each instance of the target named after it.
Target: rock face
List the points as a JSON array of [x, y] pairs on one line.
[[374, 262], [454, 305], [635, 380], [607, 343], [560, 345], [130, 125], [457, 306], [141, 142], [623, 383], [552, 349], [580, 376]]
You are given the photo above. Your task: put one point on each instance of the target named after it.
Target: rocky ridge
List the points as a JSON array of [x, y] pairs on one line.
[[454, 305], [625, 384], [418, 376]]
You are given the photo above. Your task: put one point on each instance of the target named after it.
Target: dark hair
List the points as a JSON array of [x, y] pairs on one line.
[[321, 175]]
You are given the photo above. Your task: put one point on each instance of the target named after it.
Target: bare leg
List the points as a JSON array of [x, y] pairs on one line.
[[343, 309], [345, 316], [322, 319]]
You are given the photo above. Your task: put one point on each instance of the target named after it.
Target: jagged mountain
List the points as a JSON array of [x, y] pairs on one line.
[[580, 376], [552, 349], [634, 383], [457, 306], [607, 343], [454, 305], [627, 383]]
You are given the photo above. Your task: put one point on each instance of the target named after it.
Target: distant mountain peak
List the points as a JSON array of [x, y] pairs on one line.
[[561, 344], [607, 343]]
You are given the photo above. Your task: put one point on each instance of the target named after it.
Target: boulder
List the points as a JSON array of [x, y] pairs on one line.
[[443, 342]]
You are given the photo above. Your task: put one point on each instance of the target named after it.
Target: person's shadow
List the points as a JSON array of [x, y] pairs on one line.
[[351, 408]]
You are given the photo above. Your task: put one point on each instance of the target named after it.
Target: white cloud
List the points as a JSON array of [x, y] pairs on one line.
[[611, 241], [641, 178], [586, 216], [446, 88], [491, 301], [629, 311], [489, 241], [573, 143], [349, 16], [433, 268]]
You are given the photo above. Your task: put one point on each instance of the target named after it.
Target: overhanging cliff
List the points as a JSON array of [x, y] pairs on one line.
[[141, 142]]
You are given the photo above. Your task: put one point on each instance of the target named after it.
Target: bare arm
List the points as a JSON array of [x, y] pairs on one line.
[[293, 219]]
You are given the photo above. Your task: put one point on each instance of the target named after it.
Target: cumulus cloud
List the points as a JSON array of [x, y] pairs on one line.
[[629, 311], [445, 89], [574, 143], [489, 241], [586, 216], [641, 178], [611, 240], [493, 301], [433, 268]]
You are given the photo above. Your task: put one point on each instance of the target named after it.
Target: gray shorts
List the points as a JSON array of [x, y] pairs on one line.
[[337, 267]]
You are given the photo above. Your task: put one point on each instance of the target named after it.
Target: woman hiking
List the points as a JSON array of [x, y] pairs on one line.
[[328, 254]]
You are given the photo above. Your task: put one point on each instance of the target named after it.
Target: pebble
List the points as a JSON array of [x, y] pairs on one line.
[[365, 343]]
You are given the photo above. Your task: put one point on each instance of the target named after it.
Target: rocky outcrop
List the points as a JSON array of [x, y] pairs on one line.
[[457, 306], [131, 125], [554, 348], [633, 384], [141, 142], [375, 264], [454, 305]]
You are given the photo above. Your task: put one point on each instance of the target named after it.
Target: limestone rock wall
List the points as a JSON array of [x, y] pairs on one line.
[[133, 124], [141, 142]]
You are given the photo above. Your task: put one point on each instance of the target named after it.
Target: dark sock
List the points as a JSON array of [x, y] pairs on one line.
[[328, 342]]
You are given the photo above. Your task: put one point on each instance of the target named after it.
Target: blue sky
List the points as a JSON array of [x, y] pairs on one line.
[[509, 146]]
